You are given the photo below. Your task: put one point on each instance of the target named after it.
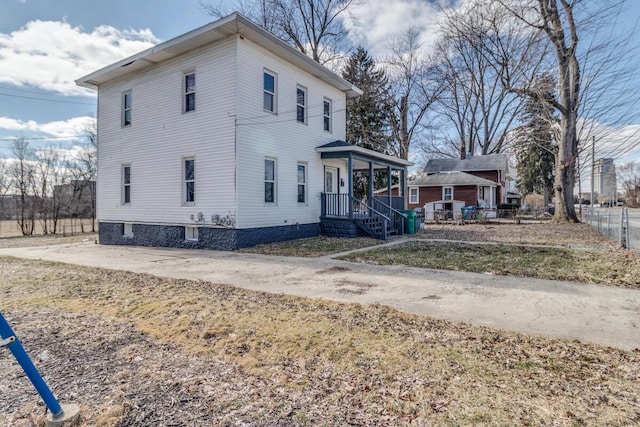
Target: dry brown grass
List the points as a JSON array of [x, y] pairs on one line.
[[235, 356], [313, 247]]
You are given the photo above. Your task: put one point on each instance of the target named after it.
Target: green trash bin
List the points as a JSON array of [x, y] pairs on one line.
[[410, 221]]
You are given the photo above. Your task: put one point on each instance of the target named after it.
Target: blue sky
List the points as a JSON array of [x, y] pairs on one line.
[[46, 44]]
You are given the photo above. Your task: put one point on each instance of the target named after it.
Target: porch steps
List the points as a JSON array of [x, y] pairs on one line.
[[375, 227]]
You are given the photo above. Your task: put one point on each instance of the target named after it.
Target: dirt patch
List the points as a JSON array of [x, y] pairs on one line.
[[333, 270], [350, 287], [48, 240]]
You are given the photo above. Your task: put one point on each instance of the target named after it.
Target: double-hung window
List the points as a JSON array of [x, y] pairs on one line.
[[269, 92], [189, 92], [447, 193], [270, 175], [126, 184], [413, 195], [126, 108], [326, 113], [189, 181], [301, 104], [302, 183]]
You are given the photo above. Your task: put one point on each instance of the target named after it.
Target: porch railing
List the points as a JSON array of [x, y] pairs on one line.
[[334, 204], [397, 202], [396, 217], [375, 223]]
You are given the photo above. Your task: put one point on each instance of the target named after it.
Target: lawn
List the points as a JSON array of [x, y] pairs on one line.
[[313, 247], [138, 350], [606, 267]]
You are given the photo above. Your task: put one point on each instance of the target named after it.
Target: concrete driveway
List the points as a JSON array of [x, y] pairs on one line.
[[589, 313]]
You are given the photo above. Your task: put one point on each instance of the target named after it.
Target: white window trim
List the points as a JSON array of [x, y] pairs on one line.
[[444, 192], [274, 93], [185, 181], [124, 185], [185, 92], [329, 116], [275, 182], [305, 183], [304, 105], [191, 233], [124, 109], [127, 229], [417, 198]]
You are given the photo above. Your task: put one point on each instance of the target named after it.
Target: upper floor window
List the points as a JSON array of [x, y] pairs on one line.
[[126, 184], [447, 193], [301, 104], [302, 183], [269, 89], [413, 195], [189, 92], [269, 180], [126, 109], [327, 114], [189, 180]]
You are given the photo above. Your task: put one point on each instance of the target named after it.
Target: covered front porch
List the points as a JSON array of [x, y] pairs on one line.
[[364, 191]]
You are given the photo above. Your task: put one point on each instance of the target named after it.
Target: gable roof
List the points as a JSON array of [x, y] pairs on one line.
[[489, 162], [449, 178], [210, 33]]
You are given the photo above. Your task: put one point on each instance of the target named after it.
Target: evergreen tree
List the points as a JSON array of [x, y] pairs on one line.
[[368, 116], [537, 146]]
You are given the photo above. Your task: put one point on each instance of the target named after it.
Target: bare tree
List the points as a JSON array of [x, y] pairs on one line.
[[22, 177], [314, 27], [571, 29], [83, 173], [629, 177], [477, 101], [414, 89]]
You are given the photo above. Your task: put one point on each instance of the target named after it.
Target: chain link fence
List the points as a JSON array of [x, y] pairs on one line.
[[619, 224]]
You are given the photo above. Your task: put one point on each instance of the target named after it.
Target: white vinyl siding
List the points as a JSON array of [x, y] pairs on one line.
[[162, 136], [261, 135]]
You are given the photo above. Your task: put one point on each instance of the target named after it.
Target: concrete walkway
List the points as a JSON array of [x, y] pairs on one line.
[[589, 313]]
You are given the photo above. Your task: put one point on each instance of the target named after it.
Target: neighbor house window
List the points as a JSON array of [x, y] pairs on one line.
[[269, 89], [191, 233], [327, 114], [189, 92], [302, 183], [447, 193], [189, 180], [301, 104], [270, 180], [126, 184], [126, 109], [127, 229], [413, 195]]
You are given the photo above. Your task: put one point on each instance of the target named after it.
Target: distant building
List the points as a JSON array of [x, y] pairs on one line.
[[605, 179]]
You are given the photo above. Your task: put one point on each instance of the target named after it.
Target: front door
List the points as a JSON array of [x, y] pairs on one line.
[[330, 180]]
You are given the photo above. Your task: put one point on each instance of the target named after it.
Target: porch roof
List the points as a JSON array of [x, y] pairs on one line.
[[344, 149], [450, 178]]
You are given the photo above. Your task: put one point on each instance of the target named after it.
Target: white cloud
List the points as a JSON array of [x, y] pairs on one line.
[[374, 23], [52, 54], [62, 129]]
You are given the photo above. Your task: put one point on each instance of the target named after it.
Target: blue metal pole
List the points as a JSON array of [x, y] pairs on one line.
[[11, 340]]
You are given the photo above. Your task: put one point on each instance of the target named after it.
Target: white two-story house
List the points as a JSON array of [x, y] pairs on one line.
[[227, 137]]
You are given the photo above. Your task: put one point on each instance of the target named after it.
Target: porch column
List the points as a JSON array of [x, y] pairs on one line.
[[389, 186], [350, 183], [403, 187], [370, 191]]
